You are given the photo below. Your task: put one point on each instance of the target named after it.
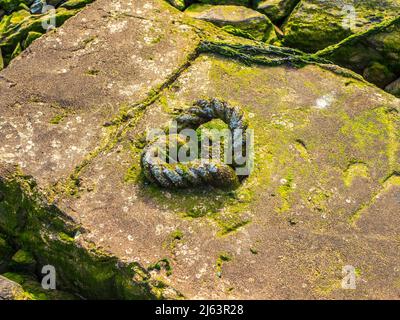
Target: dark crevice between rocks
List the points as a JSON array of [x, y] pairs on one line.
[[34, 234]]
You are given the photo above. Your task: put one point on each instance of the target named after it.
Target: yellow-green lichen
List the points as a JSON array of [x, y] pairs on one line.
[[355, 170]]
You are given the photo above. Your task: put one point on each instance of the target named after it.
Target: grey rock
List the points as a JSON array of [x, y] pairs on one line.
[[10, 290]]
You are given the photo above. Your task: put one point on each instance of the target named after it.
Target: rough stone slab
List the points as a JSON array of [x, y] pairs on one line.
[[315, 232], [327, 150], [112, 54]]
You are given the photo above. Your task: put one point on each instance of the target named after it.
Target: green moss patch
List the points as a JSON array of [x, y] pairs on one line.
[[45, 232]]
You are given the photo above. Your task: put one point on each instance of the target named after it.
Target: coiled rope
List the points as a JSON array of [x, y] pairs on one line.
[[203, 171]]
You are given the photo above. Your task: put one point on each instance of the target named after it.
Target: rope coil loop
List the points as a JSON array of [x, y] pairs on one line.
[[167, 172]]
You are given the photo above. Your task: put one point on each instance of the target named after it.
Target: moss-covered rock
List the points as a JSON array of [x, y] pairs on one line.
[[226, 2], [12, 5], [374, 53], [275, 9], [1, 61], [32, 36], [317, 24], [75, 4], [10, 290], [18, 25], [80, 266], [23, 257], [237, 20], [23, 261], [19, 28], [379, 74], [5, 253], [394, 88], [179, 4], [29, 288], [324, 185]]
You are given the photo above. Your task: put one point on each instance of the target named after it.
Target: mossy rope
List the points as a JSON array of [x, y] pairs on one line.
[[198, 172]]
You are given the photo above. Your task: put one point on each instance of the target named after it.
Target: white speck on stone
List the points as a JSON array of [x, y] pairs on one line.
[[129, 90], [324, 102], [184, 28], [55, 144], [117, 26], [159, 229]]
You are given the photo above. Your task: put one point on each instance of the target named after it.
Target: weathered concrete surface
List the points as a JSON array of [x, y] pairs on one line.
[[324, 193]]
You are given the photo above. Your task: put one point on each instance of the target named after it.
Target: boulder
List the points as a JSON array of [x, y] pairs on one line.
[[179, 4], [13, 5], [32, 36], [23, 261], [374, 53], [37, 5], [20, 286], [76, 4], [226, 2], [15, 28], [10, 290], [22, 24], [378, 74], [1, 61], [394, 88], [317, 24], [323, 193], [5, 253], [236, 19], [276, 10]]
